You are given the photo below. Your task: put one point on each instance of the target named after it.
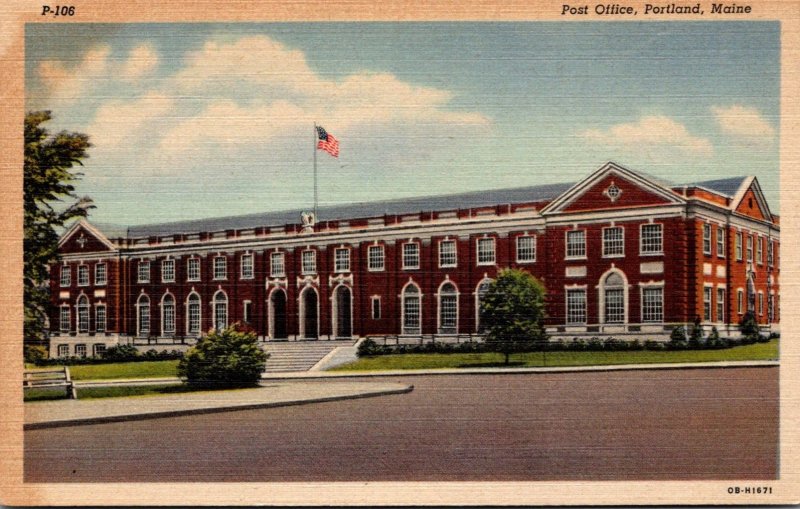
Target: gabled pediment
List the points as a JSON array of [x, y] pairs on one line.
[[749, 201], [613, 187], [82, 237]]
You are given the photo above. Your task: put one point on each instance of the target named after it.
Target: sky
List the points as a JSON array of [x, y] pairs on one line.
[[200, 120]]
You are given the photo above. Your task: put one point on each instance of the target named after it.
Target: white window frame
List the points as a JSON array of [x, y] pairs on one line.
[[567, 245], [139, 307], [770, 253], [64, 325], [408, 255], [63, 351], [482, 254], [620, 242], [603, 288], [65, 277], [143, 271], [530, 250], [417, 330], [707, 239], [569, 317], [739, 247], [189, 303], [220, 269], [193, 265], [98, 280], [83, 310], [247, 311], [760, 303], [660, 309], [100, 325], [720, 305], [760, 250], [740, 301], [485, 281], [376, 308], [214, 310], [341, 260], [708, 304], [277, 264], [247, 266], [308, 262], [749, 248], [80, 350], [642, 244], [720, 242], [168, 270], [98, 349], [440, 310], [372, 261], [447, 263], [83, 275], [165, 331]]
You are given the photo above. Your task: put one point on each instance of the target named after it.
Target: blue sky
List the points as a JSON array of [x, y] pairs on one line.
[[198, 120]]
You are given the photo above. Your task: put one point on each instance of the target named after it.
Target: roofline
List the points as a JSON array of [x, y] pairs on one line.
[[83, 222]]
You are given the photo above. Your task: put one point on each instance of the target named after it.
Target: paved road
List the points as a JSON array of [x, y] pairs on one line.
[[681, 424]]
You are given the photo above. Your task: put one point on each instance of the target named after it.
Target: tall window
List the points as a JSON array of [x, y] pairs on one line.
[[760, 303], [576, 306], [100, 318], [66, 273], [100, 274], [707, 239], [144, 272], [63, 319], [480, 293], [143, 312], [448, 309], [193, 314], [749, 248], [411, 310], [411, 255], [739, 246], [576, 244], [770, 253], [220, 310], [707, 303], [526, 249], [83, 275], [246, 311], [447, 253], [740, 301], [246, 271], [342, 260], [613, 241], [651, 239], [375, 257], [220, 267], [486, 255], [720, 242], [168, 315], [168, 271], [614, 293], [720, 304], [760, 250], [277, 267], [309, 262], [653, 304], [83, 314], [376, 308], [193, 269]]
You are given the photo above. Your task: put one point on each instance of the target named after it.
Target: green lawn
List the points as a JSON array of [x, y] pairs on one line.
[[115, 392], [145, 369], [757, 351]]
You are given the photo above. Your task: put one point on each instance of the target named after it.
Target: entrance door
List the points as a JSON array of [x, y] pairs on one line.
[[343, 313], [278, 304], [310, 312]]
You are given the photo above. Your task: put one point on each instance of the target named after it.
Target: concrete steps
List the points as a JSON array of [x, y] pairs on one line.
[[299, 355]]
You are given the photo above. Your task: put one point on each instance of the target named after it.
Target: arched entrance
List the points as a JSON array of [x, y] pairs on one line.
[[309, 313], [613, 291], [342, 312], [277, 315]]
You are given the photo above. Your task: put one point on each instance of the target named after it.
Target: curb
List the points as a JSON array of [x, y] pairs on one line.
[[213, 410]]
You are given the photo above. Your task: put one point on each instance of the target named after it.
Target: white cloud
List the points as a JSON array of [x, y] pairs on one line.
[[745, 123], [119, 122], [70, 84], [651, 132], [141, 61]]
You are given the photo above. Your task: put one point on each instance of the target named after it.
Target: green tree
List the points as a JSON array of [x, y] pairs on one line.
[[513, 312], [226, 358], [50, 203]]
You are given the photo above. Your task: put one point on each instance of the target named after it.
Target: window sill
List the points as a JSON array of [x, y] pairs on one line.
[[660, 253], [614, 256], [448, 266], [576, 259], [486, 264], [525, 262], [376, 270], [410, 268]]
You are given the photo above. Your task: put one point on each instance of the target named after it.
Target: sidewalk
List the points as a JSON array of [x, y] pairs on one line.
[[49, 414]]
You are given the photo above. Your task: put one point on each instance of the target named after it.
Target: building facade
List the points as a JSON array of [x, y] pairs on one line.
[[620, 253]]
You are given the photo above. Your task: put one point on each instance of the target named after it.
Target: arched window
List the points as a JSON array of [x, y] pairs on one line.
[[83, 314], [143, 315], [448, 309], [614, 298], [168, 315], [411, 318], [193, 310], [480, 293], [220, 310]]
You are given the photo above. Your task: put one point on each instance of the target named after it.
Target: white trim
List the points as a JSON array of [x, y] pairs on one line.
[[163, 279], [454, 242], [382, 250], [335, 311], [105, 266], [91, 229], [271, 311], [80, 266], [214, 259], [373, 299], [567, 289], [78, 306], [419, 294], [403, 255], [302, 312], [478, 242], [189, 260], [199, 314], [214, 324], [567, 256], [603, 242], [525, 235], [457, 295], [601, 291], [139, 305], [174, 314], [282, 256], [252, 257], [486, 280], [642, 288]]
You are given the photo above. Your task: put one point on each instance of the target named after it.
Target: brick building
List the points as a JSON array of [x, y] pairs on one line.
[[621, 253]]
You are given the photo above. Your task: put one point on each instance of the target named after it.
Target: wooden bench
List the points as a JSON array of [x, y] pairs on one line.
[[50, 378]]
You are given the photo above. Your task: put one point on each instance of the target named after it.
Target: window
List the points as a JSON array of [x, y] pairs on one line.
[[448, 309], [411, 310], [247, 306], [760, 251], [100, 274], [80, 350], [376, 308], [653, 304], [143, 310], [66, 275], [342, 260], [614, 293], [168, 315], [739, 301], [771, 306], [193, 269], [720, 242], [707, 303], [760, 303], [144, 272], [220, 267], [168, 271], [770, 253], [739, 246], [613, 241], [63, 350], [277, 268], [83, 314], [98, 349], [526, 249], [720, 304], [576, 244], [576, 306], [375, 257], [480, 293], [447, 253], [309, 262], [246, 271], [411, 255], [749, 248], [63, 319], [193, 314], [100, 318], [707, 239], [220, 310], [486, 254], [83, 275]]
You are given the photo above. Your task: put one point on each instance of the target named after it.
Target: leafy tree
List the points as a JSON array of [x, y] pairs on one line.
[[226, 358], [50, 203], [513, 311]]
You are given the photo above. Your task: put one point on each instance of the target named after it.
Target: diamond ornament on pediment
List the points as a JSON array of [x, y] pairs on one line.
[[613, 192]]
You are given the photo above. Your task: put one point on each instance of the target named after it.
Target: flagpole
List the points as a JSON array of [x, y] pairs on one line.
[[316, 136]]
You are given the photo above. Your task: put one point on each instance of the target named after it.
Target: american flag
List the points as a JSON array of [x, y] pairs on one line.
[[327, 142]]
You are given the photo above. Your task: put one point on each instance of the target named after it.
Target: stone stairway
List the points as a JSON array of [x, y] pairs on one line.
[[299, 355]]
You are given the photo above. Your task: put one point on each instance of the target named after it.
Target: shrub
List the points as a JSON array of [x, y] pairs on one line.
[[227, 358], [748, 325], [35, 353], [678, 333], [121, 353]]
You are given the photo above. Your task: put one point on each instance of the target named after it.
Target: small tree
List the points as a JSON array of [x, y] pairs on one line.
[[226, 358], [513, 312], [748, 326]]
